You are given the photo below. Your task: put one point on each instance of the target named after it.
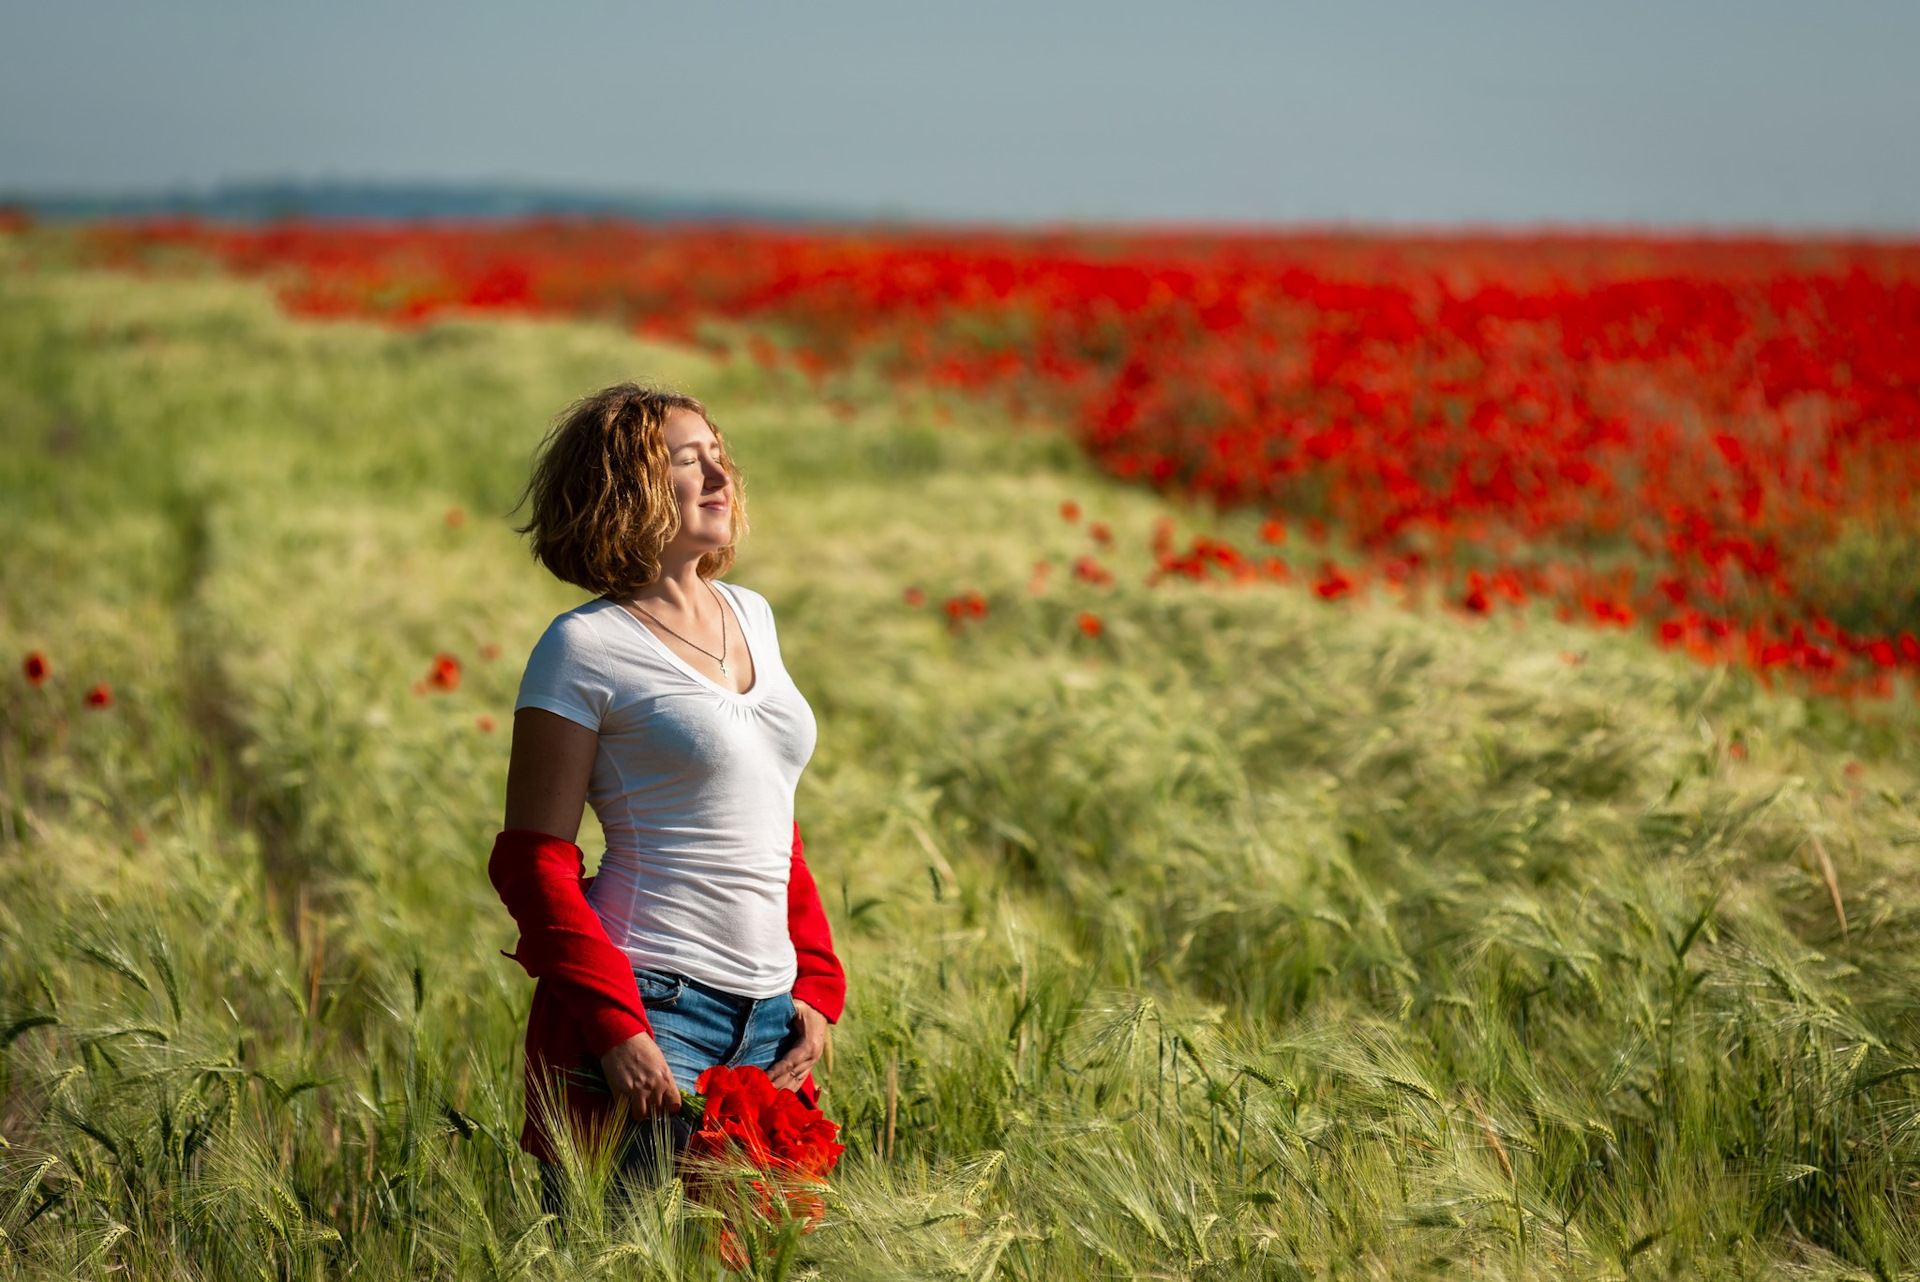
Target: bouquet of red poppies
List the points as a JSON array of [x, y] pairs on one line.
[[756, 1147]]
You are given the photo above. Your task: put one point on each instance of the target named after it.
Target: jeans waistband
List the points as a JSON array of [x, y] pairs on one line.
[[733, 1001]]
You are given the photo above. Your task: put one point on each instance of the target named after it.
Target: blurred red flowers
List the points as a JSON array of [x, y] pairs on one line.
[[101, 696], [35, 668], [915, 597], [1644, 431], [968, 605], [1089, 570], [1332, 583], [1089, 624], [444, 675]]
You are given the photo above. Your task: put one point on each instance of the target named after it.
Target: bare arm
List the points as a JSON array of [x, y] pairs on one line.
[[548, 773], [547, 792]]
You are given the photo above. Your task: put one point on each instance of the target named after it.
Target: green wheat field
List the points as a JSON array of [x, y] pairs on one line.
[[1253, 938]]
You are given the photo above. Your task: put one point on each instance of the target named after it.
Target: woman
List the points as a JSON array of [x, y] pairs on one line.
[[662, 702]]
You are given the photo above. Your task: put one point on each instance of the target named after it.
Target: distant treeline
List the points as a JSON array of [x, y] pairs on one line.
[[269, 201]]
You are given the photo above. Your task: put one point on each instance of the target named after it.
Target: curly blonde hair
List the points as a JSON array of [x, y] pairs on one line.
[[602, 504]]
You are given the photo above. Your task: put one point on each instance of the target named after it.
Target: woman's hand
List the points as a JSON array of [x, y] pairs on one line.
[[789, 1072], [637, 1072]]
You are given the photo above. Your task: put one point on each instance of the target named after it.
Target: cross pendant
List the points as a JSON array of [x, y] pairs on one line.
[[723, 668]]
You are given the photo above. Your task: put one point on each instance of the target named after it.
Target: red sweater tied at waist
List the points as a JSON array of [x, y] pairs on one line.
[[586, 1001]]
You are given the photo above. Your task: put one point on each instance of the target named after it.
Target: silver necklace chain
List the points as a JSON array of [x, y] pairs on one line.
[[720, 658]]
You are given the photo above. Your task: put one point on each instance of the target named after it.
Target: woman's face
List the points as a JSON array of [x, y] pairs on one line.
[[700, 483]]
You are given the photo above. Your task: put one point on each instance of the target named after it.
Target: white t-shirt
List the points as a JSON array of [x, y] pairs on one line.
[[693, 785]]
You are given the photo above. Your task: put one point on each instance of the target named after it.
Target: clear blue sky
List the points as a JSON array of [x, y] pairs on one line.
[[1755, 113]]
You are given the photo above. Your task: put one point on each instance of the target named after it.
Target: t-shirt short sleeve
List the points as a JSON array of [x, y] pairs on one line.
[[567, 673]]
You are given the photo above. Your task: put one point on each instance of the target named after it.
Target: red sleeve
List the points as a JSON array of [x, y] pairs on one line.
[[538, 878], [822, 982]]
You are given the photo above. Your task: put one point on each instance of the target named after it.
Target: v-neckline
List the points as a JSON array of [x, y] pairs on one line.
[[751, 693]]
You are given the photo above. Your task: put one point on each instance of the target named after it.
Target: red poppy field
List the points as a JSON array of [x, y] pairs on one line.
[[1715, 440]]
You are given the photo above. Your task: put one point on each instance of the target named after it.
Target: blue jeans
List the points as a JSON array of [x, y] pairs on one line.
[[696, 1028]]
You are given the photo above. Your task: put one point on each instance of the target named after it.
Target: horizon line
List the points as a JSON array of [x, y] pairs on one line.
[[550, 201]]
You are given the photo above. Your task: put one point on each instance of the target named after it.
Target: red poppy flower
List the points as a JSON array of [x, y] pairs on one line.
[[1271, 531], [1102, 533], [732, 1252], [445, 673], [491, 650], [1089, 624], [808, 1206], [101, 696], [915, 597], [485, 724], [36, 668], [1333, 584], [456, 518], [1069, 511], [1088, 570]]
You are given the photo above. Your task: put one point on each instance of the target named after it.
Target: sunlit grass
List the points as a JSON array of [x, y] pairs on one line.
[[1255, 937]]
